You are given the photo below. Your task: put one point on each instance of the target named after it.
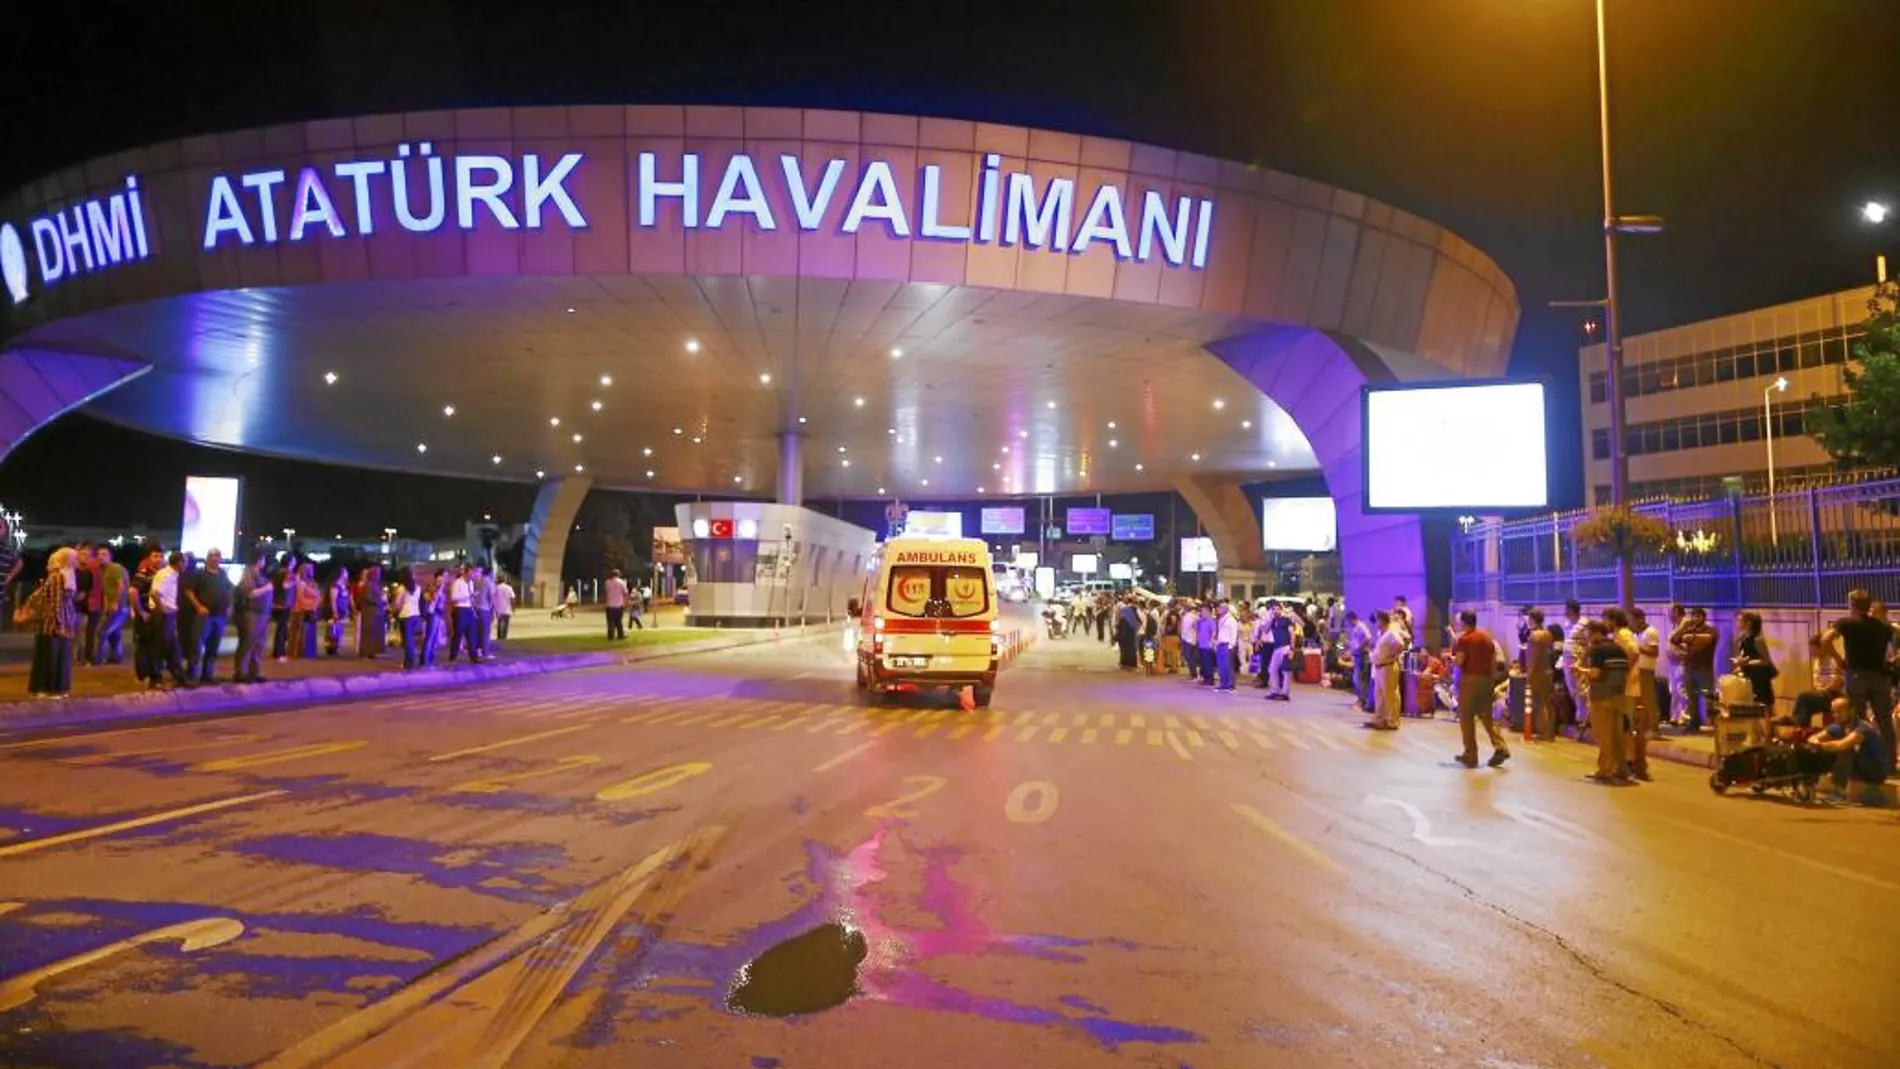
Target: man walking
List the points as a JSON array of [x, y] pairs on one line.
[[210, 596], [615, 596], [115, 594], [1475, 653]]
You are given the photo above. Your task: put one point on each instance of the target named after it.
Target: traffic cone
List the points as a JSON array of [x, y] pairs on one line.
[[966, 699]]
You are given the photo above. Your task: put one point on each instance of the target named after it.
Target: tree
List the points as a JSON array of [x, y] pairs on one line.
[[1865, 432]]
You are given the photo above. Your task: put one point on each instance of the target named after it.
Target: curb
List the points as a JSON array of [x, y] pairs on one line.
[[18, 718]]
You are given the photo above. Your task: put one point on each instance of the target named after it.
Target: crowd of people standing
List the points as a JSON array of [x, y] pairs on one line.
[[177, 611]]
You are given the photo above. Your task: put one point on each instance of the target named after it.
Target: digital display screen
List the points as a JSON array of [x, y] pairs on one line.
[[1002, 521], [1121, 571], [1197, 555], [1299, 524], [1406, 425], [1133, 526], [211, 516], [1089, 522], [940, 524], [1083, 563]]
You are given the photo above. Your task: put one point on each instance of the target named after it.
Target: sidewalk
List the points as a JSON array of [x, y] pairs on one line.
[[535, 647]]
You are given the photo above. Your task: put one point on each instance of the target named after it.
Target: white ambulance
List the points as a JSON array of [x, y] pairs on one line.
[[926, 619]]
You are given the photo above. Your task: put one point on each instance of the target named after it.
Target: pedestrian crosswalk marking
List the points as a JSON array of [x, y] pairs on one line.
[[790, 724], [1027, 733], [1107, 720], [1024, 718], [1154, 737], [1326, 741], [1194, 738], [1265, 742], [750, 724], [1199, 722], [960, 730], [821, 725], [1137, 721], [992, 733], [1294, 740], [1058, 734], [1088, 735], [1124, 736], [1051, 720], [924, 731], [1081, 720], [1172, 722], [1228, 740]]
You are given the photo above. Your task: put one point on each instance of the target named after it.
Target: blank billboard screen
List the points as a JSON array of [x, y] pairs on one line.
[[940, 524], [1002, 521], [1083, 563], [1089, 521], [1197, 555], [1456, 447], [1299, 524], [211, 516]]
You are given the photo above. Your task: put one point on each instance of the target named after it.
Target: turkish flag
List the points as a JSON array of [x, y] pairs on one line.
[[721, 528]]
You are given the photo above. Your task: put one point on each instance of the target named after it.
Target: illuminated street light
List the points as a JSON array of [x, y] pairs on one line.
[[692, 345], [448, 410], [1780, 385], [1875, 212], [329, 378]]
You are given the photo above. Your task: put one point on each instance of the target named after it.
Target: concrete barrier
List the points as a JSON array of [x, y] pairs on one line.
[[39, 715]]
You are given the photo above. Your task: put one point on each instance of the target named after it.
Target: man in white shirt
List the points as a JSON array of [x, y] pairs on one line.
[[615, 595], [462, 617], [1387, 650], [1191, 653], [504, 602], [164, 602], [1570, 655], [1226, 635], [1644, 709]]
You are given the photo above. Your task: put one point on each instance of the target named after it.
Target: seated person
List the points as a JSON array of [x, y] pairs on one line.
[[1810, 704], [1859, 751], [1434, 679]]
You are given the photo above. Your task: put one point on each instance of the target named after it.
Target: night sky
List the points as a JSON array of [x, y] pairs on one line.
[[1754, 126]]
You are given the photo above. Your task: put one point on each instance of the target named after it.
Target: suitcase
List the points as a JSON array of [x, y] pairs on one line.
[[1312, 667]]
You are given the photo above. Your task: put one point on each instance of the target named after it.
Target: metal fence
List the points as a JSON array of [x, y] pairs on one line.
[[1797, 548]]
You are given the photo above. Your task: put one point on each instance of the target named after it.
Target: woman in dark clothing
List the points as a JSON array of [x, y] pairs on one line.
[[1752, 660]]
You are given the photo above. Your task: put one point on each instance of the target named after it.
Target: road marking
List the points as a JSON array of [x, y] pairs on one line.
[[637, 717], [1107, 720], [893, 809], [9, 907], [498, 784], [1821, 866], [505, 743], [1295, 741], [1194, 738], [1154, 736], [821, 725], [1302, 847], [652, 782], [1088, 735], [1228, 740], [1421, 827], [858, 725], [77, 740], [790, 724], [1326, 741], [1080, 720], [960, 730], [1024, 718], [1171, 722], [1052, 719], [695, 718], [725, 720], [670, 715], [1017, 808], [1058, 734], [32, 845], [1265, 742], [990, 735], [105, 758], [750, 724], [1199, 722], [276, 757], [1174, 743], [926, 730], [1027, 733], [191, 935], [1542, 821], [881, 728], [840, 759], [1124, 736], [1137, 721]]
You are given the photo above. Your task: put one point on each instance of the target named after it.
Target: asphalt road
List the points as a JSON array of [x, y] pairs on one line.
[[581, 870]]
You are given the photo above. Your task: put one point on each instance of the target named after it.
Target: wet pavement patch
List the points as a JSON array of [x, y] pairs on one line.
[[807, 973]]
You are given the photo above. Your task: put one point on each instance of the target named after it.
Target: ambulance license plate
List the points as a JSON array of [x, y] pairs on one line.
[[910, 662]]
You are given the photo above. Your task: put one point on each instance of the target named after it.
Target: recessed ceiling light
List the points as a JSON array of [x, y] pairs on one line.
[[765, 378], [649, 473], [880, 489], [1139, 467], [448, 410], [926, 482], [577, 439], [996, 467], [897, 354], [1022, 434], [1194, 456], [554, 421], [697, 439], [329, 378], [1246, 424], [1049, 404], [676, 430], [979, 489], [422, 447], [570, 311], [738, 478], [580, 467], [595, 406], [890, 430], [647, 452], [1273, 463], [606, 380], [1111, 424], [692, 345], [1219, 404], [937, 459], [841, 449], [1006, 449], [858, 401], [846, 463], [496, 458], [539, 474], [1112, 443], [801, 419]]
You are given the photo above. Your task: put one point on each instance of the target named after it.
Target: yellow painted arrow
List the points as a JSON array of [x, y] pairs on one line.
[[190, 935]]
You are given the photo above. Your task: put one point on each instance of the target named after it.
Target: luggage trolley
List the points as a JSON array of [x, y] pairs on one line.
[[1748, 753]]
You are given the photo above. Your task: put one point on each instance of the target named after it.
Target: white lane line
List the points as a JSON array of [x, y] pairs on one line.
[[840, 759]]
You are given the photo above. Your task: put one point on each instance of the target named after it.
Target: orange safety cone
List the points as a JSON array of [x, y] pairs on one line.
[[966, 699]]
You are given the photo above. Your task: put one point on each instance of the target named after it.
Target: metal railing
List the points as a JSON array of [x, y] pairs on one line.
[[1802, 547]]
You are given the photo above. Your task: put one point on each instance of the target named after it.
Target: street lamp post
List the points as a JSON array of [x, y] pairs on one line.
[[1780, 385], [1875, 213]]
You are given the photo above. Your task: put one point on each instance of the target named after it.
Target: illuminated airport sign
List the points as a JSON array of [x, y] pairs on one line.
[[79, 239]]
